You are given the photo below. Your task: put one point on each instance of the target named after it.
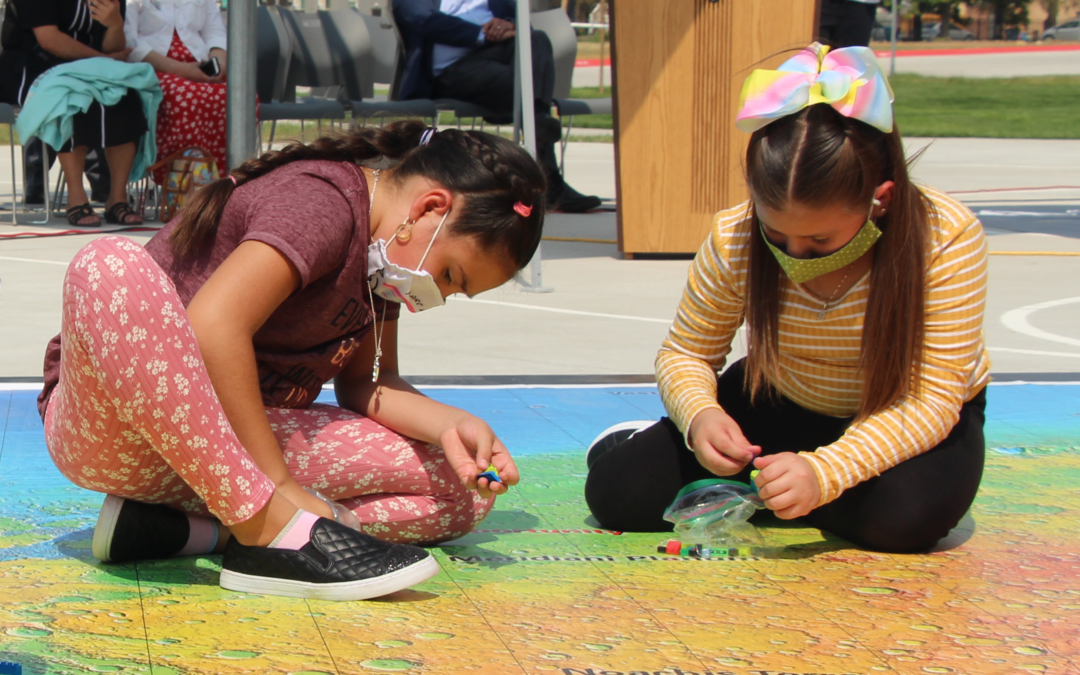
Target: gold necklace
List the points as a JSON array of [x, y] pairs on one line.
[[825, 303]]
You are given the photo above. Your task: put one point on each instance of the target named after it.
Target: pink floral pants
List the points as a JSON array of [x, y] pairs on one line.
[[135, 415]]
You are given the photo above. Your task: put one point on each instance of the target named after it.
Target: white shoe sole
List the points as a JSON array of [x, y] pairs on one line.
[[106, 527], [365, 589], [636, 425]]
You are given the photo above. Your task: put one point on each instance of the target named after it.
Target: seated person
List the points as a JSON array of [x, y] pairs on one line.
[[176, 37], [464, 50], [862, 397], [40, 34]]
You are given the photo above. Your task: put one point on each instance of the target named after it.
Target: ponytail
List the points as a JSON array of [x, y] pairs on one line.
[[489, 172]]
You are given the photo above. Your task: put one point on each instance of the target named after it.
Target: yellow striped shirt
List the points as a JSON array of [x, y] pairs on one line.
[[819, 357]]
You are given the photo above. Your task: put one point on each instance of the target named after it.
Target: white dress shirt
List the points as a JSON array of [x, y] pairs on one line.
[[473, 11], [149, 27]]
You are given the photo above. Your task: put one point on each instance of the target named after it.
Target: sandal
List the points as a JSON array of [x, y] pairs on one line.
[[119, 214], [77, 213]]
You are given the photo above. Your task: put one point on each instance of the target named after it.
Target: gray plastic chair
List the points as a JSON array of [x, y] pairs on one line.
[[376, 62], [274, 62], [310, 65]]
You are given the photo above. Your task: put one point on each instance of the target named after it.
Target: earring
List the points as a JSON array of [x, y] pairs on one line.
[[402, 234]]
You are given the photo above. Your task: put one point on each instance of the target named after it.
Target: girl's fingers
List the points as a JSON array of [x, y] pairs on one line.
[[459, 459], [504, 464]]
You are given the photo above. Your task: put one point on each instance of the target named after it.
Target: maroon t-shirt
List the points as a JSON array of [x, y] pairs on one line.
[[316, 214]]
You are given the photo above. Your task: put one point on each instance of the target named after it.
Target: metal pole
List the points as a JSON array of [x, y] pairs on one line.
[[240, 96], [603, 36], [525, 102], [895, 25]]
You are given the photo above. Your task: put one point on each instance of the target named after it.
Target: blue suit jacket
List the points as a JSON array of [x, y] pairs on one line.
[[422, 26]]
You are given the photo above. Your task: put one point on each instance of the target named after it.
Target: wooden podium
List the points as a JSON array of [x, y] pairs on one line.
[[679, 66]]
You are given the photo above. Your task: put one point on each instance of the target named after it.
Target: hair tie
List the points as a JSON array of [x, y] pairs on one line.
[[426, 137], [233, 179], [522, 210]]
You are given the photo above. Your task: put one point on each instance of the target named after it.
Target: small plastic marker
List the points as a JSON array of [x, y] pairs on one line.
[[491, 474], [9, 668], [674, 547]]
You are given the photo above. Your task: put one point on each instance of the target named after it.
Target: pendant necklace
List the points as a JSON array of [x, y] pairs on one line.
[[371, 296], [826, 303]]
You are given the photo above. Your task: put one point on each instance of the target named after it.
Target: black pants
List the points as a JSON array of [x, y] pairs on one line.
[[907, 508], [845, 23], [99, 127], [108, 126], [486, 77]]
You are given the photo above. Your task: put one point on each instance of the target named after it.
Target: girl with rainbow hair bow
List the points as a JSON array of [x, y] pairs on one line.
[[862, 394]]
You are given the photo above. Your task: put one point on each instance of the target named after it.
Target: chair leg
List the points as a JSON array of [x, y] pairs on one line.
[[14, 197], [58, 193], [273, 128], [562, 146]]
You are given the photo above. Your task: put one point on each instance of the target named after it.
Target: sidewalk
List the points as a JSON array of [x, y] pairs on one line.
[[608, 316]]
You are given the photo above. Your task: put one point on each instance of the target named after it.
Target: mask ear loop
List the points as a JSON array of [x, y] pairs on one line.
[[428, 249]]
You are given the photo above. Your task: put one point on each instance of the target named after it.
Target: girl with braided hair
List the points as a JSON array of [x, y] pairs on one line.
[[183, 381]]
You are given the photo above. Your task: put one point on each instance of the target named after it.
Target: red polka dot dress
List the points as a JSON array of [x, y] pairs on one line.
[[192, 114]]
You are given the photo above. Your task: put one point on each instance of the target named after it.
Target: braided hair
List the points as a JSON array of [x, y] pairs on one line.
[[491, 173]]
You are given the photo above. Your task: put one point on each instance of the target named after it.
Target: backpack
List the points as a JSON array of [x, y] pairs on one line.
[[189, 170]]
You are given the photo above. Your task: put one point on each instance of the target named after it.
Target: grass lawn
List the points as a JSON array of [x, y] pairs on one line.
[[1018, 107]]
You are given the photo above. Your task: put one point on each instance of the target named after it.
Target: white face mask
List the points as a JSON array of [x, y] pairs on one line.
[[416, 289]]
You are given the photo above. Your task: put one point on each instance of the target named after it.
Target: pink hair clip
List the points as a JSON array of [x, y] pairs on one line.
[[233, 179], [522, 210]]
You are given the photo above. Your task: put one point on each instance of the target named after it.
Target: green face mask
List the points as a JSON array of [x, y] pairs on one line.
[[801, 270]]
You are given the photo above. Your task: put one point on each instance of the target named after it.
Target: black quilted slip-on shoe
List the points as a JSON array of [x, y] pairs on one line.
[[338, 563], [127, 530]]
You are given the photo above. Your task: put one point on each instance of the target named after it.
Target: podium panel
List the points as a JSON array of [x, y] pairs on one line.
[[679, 68]]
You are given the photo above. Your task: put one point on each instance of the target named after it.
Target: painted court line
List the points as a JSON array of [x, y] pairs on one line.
[[556, 310], [33, 260], [1017, 320]]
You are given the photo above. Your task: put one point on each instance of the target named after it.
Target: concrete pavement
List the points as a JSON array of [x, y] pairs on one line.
[[607, 315]]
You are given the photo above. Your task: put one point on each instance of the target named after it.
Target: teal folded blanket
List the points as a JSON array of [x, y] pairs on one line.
[[62, 91]]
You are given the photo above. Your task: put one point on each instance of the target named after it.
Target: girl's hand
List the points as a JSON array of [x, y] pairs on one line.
[[107, 13], [719, 444], [471, 446], [788, 484]]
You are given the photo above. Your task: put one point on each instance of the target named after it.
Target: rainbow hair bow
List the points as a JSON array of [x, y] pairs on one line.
[[848, 79]]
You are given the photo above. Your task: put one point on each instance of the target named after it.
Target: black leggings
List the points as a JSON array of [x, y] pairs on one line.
[[907, 508]]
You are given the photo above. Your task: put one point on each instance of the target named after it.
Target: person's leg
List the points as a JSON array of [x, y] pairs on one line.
[[854, 25], [120, 158], [97, 174], [828, 19], [134, 413], [72, 162], [35, 153], [402, 490], [484, 77], [115, 128], [913, 505], [632, 484]]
